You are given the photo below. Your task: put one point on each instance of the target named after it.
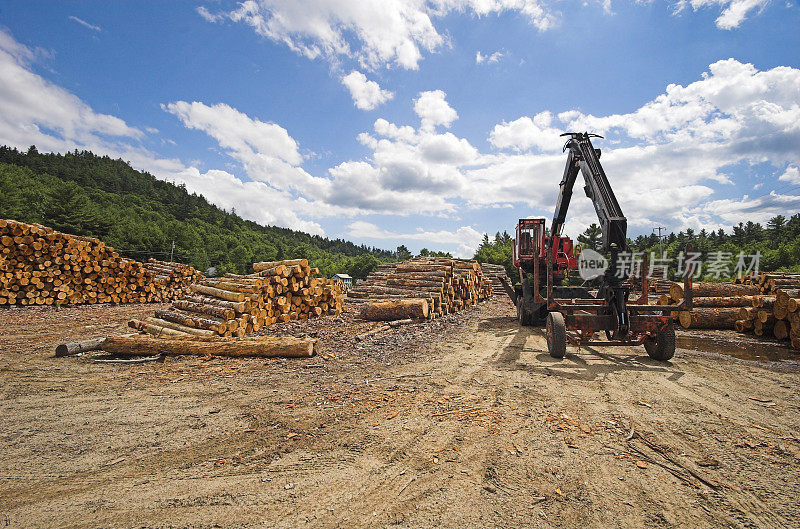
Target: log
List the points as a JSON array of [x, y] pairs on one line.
[[793, 304], [218, 293], [780, 330], [191, 320], [178, 327], [395, 310], [713, 289], [780, 311], [73, 348], [261, 347], [720, 301], [743, 325], [44, 267], [264, 265], [764, 315], [155, 330], [204, 308], [709, 318], [276, 271], [238, 306], [761, 328], [763, 302]]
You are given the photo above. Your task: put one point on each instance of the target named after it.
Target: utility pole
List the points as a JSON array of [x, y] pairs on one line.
[[660, 239], [172, 251]]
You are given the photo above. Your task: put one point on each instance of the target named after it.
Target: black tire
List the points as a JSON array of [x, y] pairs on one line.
[[663, 347], [556, 335], [521, 314]]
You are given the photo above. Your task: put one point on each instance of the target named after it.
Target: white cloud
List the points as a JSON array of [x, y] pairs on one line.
[[85, 24], [492, 58], [664, 159], [528, 133], [756, 209], [375, 32], [367, 95], [380, 33], [35, 111], [434, 109], [734, 11], [466, 237], [251, 200], [266, 150], [791, 175]]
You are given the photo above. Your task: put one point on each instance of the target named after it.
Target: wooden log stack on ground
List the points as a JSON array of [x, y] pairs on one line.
[[766, 305], [238, 305], [492, 274], [172, 280], [42, 266], [446, 284]]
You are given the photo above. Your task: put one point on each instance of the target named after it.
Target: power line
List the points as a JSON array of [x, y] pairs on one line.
[[660, 239]]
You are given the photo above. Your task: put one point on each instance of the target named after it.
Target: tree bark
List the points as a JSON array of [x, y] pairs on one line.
[[261, 347], [720, 301], [178, 327], [709, 318], [780, 330], [191, 320], [218, 293], [155, 330], [73, 348], [238, 306], [763, 302], [713, 289], [265, 265], [203, 308]]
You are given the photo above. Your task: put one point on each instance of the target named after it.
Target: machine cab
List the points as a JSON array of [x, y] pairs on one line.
[[531, 243]]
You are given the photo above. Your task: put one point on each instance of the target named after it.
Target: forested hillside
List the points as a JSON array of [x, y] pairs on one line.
[[777, 243], [141, 216]]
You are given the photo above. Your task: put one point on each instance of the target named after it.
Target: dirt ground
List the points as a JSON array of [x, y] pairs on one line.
[[464, 422]]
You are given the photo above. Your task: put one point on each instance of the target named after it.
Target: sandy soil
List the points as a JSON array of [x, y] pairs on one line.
[[465, 423]]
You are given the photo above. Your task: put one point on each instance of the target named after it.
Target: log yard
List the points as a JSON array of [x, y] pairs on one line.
[[408, 264]]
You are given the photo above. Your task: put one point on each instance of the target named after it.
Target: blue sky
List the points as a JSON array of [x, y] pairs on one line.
[[420, 122]]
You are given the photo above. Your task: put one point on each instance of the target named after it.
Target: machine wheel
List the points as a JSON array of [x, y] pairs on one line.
[[663, 347], [556, 335]]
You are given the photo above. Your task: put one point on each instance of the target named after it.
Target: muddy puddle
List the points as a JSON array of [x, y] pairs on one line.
[[739, 347]]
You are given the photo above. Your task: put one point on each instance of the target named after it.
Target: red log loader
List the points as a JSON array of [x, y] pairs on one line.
[[576, 314]]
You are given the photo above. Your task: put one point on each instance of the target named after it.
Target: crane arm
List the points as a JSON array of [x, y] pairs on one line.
[[584, 157]]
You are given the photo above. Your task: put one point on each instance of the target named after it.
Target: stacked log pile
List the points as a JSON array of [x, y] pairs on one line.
[[42, 266], [172, 280], [492, 274], [660, 286], [238, 305], [777, 311], [766, 305], [446, 284]]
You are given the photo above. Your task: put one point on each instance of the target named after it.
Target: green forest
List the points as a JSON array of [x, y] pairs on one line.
[[140, 216], [777, 243]]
